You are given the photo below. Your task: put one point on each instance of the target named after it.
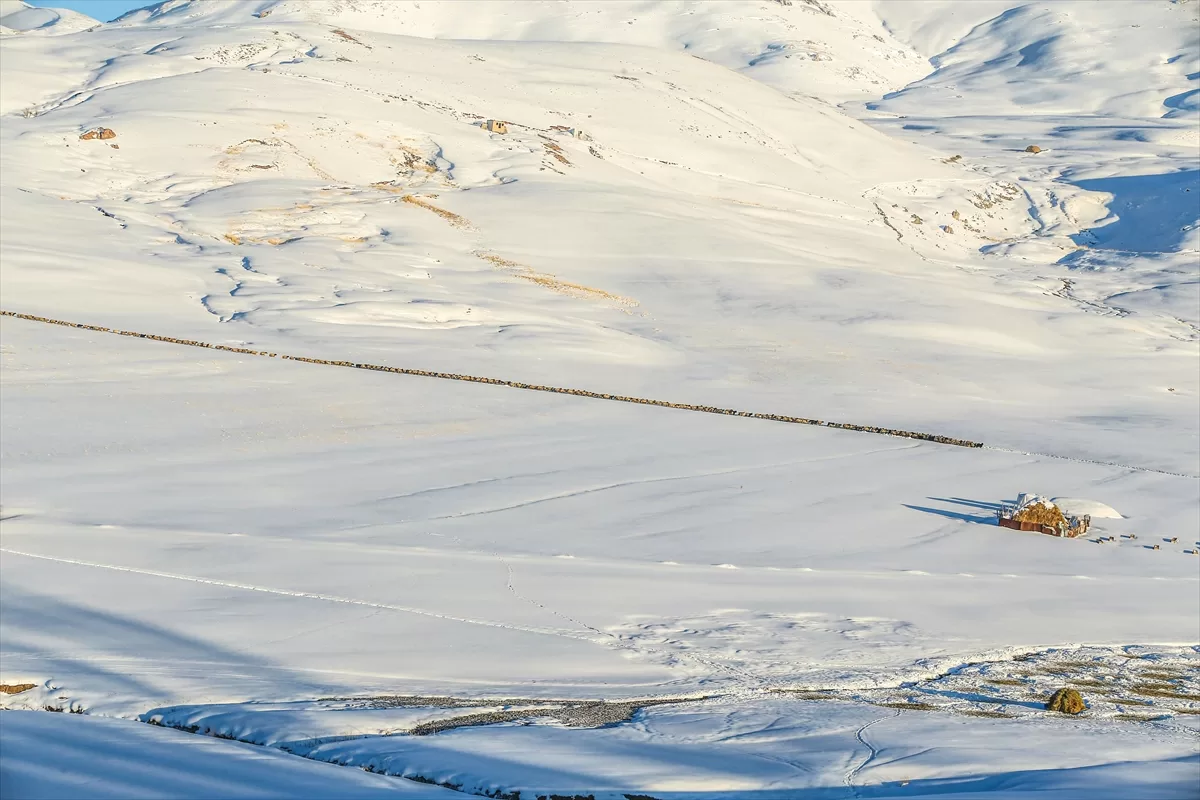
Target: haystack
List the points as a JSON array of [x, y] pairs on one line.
[[1041, 513], [1066, 701]]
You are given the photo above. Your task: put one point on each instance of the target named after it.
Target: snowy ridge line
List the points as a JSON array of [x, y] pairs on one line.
[[928, 437], [307, 595]]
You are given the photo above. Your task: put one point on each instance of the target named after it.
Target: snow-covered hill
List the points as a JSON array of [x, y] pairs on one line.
[[817, 208], [18, 17], [808, 48]]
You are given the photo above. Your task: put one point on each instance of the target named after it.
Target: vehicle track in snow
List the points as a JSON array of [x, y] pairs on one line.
[[922, 436], [596, 636], [304, 595], [860, 735]]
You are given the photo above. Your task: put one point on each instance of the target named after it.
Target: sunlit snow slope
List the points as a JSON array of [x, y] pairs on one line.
[[820, 209]]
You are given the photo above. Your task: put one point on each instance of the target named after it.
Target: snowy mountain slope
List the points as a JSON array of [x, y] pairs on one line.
[[1054, 58], [1110, 98], [17, 16], [772, 223], [225, 542], [834, 51], [931, 27], [32, 72]]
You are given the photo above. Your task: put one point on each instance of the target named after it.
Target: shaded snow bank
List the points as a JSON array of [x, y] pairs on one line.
[[54, 756]]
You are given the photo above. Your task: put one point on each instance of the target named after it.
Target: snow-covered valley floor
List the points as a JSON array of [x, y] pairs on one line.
[[239, 572]]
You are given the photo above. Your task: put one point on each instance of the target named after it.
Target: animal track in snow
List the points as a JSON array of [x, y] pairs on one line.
[[772, 647]]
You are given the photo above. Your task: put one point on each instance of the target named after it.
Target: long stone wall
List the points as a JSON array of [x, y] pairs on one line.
[[928, 437]]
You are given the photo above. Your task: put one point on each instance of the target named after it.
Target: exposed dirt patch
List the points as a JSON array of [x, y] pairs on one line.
[[553, 283], [454, 219], [555, 151], [234, 149], [341, 34]]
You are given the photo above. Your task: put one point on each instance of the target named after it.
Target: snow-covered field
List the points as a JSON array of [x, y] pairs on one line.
[[816, 209]]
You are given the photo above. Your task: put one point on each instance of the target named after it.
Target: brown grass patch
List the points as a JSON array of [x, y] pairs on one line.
[[909, 706], [499, 261], [454, 219], [555, 150], [1133, 717], [16, 688], [1090, 682], [1076, 664], [234, 149], [573, 289], [551, 282], [341, 34], [1006, 682], [410, 160], [975, 712], [808, 694], [1162, 690], [1185, 710], [1164, 675]]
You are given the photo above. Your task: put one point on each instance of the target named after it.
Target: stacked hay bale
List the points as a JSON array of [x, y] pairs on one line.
[[1041, 512]]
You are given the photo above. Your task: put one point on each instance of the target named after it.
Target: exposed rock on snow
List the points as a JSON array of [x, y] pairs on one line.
[[98, 133]]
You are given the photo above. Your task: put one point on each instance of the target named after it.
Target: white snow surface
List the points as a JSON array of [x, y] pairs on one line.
[[823, 209], [1079, 506]]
